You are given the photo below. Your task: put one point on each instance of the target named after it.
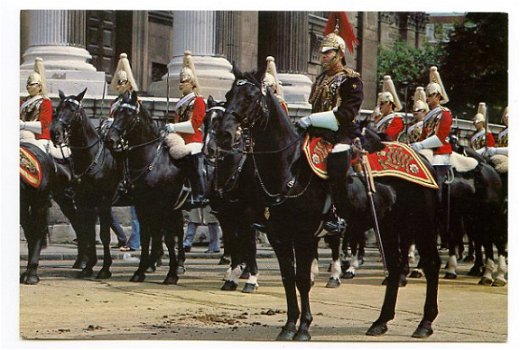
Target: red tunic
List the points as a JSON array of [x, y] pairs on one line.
[[198, 111], [391, 125], [43, 114], [438, 122]]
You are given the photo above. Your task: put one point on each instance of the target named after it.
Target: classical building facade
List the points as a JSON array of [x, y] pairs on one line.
[[81, 48]]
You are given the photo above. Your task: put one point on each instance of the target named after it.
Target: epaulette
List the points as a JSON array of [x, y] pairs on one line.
[[351, 73]]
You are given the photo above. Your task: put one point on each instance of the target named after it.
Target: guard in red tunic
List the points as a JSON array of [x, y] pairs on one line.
[[482, 139], [389, 125], [189, 115], [420, 108], [36, 109]]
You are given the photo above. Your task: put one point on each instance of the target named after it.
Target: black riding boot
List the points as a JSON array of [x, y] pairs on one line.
[[194, 167], [337, 167], [443, 210]]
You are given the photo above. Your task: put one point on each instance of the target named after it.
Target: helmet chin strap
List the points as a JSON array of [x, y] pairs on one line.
[[333, 62]]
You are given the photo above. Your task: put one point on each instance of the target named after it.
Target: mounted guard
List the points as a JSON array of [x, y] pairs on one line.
[[389, 125], [271, 81], [188, 119], [482, 139], [420, 108], [336, 98]]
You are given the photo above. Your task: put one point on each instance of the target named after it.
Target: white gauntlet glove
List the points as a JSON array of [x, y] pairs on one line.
[[170, 127]]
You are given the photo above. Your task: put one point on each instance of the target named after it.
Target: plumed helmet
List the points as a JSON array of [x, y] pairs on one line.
[[271, 77], [480, 117], [435, 86], [124, 72], [505, 115], [389, 93], [38, 76], [188, 71], [338, 34], [420, 100]]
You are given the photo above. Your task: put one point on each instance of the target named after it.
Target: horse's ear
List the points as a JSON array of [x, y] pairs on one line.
[[134, 98], [236, 72], [211, 101], [80, 96], [62, 95]]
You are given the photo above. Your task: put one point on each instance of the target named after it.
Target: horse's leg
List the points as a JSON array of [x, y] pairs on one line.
[[500, 241], [390, 242], [250, 256], [35, 228], [181, 257], [430, 263], [283, 249], [490, 267], [304, 250], [335, 269], [146, 230], [230, 228], [174, 229], [156, 250], [88, 214], [68, 208], [105, 219]]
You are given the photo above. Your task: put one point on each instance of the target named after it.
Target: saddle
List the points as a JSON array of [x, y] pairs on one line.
[[30, 168]]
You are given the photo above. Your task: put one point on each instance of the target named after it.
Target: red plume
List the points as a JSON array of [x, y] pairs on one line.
[[345, 29]]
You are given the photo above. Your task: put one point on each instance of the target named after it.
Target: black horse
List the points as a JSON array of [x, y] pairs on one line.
[[95, 178], [297, 200], [478, 207], [154, 181], [235, 213]]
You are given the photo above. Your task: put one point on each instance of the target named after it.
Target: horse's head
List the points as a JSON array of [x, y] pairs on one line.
[[69, 112], [245, 105], [212, 120], [126, 121]]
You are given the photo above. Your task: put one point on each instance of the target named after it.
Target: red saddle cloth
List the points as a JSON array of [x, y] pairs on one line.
[[30, 168], [396, 159], [316, 150]]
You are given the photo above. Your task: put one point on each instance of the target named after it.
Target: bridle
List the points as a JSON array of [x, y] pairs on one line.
[[243, 143]]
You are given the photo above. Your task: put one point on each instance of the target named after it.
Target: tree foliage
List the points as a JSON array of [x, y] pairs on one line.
[[407, 64], [475, 65]]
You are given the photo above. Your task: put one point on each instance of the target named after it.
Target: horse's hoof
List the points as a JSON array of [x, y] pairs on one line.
[[385, 281], [287, 334], [249, 288], [181, 270], [86, 272], [31, 279], [450, 276], [23, 277], [151, 269], [137, 277], [377, 329], [468, 258], [302, 335], [104, 273], [171, 279], [333, 283], [402, 281], [415, 274], [229, 286], [224, 260], [424, 330], [361, 261], [499, 282], [79, 265], [484, 281], [348, 275], [475, 271], [158, 262]]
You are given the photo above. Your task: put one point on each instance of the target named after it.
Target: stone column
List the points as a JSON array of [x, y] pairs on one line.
[[286, 38], [196, 31], [58, 36]]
